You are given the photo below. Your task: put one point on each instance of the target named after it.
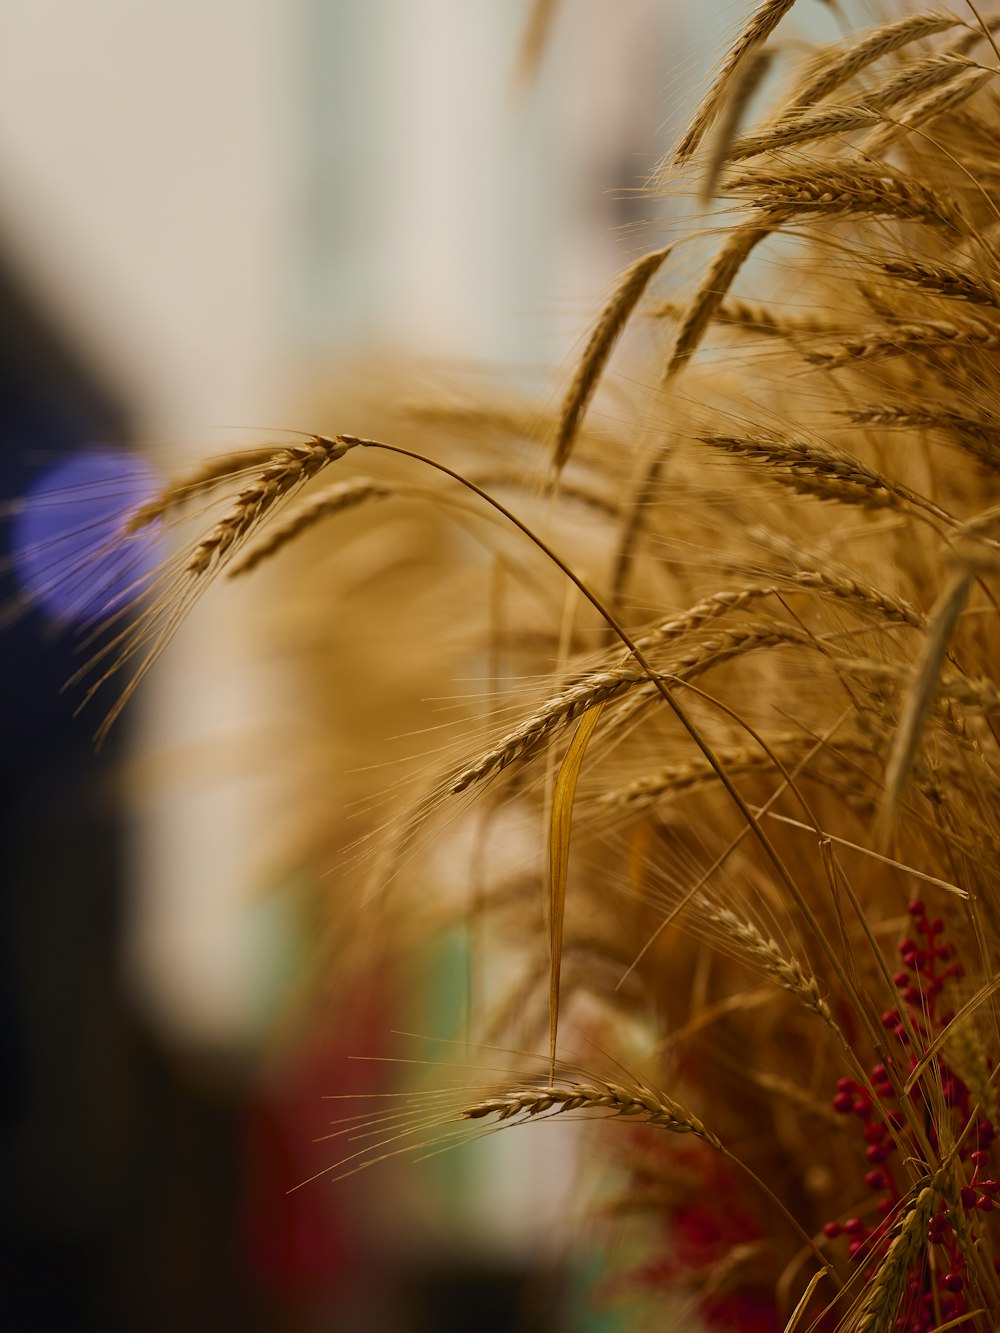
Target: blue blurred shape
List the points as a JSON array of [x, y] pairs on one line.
[[71, 553]]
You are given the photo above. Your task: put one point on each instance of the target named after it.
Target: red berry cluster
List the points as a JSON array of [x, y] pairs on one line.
[[934, 1289]]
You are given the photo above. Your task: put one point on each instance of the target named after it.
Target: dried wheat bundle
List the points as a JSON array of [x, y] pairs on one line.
[[739, 661]]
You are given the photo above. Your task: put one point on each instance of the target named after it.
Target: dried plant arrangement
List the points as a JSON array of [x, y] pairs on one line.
[[720, 766]]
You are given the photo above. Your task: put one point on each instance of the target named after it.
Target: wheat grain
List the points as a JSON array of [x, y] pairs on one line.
[[967, 1054], [978, 692], [977, 436], [710, 608], [935, 417], [733, 641], [863, 596], [645, 792], [596, 687], [919, 76]]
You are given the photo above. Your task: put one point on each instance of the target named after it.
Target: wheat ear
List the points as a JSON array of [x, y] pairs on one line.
[[853, 191], [334, 500], [635, 1102], [902, 339], [887, 1287], [719, 278], [286, 470], [198, 482], [819, 470], [756, 31], [754, 318], [831, 69], [761, 950], [921, 76], [944, 280], [745, 85], [606, 333], [929, 108]]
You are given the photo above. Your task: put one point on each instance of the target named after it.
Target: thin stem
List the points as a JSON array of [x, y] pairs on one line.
[[655, 677]]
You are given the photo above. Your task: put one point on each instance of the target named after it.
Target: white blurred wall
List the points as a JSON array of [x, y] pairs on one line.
[[222, 196]]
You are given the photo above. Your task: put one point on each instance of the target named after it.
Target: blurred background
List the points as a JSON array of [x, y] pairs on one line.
[[212, 214]]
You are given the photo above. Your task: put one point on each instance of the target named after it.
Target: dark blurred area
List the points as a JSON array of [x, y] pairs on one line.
[[121, 1166], [145, 1186]]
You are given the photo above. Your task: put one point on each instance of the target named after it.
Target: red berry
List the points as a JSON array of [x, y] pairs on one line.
[[984, 1203], [968, 1196], [916, 907], [953, 1281], [832, 1230]]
